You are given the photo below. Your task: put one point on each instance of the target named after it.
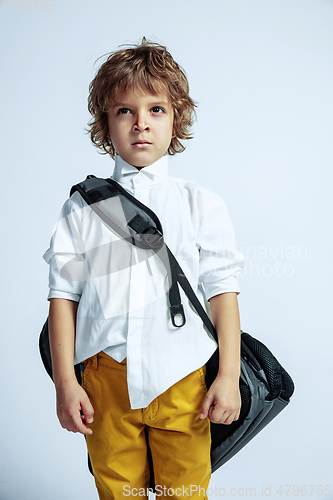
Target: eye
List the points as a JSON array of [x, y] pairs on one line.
[[123, 111], [157, 109]]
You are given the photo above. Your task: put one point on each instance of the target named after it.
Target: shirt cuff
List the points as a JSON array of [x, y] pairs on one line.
[[58, 294], [213, 288]]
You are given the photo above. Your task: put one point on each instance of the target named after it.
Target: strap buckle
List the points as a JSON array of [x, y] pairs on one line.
[[150, 235], [153, 237], [177, 315]]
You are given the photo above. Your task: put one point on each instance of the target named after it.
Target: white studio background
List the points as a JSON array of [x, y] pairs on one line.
[[261, 72]]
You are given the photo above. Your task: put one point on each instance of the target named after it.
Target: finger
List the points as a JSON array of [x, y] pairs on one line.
[[228, 419], [216, 414], [73, 423], [206, 405], [79, 426], [87, 411]]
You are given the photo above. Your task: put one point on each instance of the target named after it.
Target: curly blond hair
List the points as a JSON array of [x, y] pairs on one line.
[[149, 67]]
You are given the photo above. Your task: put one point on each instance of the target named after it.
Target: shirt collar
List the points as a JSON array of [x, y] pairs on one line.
[[124, 173]]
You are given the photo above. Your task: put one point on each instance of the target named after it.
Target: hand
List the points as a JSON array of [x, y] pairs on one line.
[[223, 401], [74, 409]]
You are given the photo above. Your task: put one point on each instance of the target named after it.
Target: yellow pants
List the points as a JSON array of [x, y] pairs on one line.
[[178, 439]]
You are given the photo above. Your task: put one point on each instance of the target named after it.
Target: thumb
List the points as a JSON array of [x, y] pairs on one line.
[[206, 405], [87, 410]]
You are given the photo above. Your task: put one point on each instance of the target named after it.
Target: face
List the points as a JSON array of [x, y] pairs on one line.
[[141, 126]]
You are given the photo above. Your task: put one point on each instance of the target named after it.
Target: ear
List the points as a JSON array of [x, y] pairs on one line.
[[173, 132]]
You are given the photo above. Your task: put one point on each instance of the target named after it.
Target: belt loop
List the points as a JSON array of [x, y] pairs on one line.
[[94, 363], [91, 362]]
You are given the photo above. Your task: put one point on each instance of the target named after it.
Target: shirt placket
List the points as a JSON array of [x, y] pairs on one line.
[[137, 286]]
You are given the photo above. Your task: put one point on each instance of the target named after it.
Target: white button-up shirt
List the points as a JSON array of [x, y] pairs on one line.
[[123, 290]]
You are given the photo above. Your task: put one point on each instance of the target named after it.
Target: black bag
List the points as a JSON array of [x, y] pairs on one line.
[[265, 386]]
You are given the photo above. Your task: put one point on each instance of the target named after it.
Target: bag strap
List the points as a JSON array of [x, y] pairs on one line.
[[189, 292], [147, 228]]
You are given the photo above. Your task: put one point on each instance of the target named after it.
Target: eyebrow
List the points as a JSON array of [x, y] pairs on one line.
[[124, 105]]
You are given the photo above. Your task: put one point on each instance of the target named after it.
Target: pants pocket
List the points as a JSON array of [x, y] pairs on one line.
[[202, 375]]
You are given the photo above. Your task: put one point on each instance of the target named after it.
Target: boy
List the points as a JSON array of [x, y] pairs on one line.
[[141, 376]]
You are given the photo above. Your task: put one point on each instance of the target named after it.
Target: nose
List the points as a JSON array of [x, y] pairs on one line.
[[141, 122]]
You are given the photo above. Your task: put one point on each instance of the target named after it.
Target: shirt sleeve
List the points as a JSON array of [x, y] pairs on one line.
[[219, 260], [65, 255]]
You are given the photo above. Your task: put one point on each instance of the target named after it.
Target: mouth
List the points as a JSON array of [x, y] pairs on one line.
[[141, 144]]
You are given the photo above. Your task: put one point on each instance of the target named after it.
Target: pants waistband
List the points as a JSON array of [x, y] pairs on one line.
[[104, 359]]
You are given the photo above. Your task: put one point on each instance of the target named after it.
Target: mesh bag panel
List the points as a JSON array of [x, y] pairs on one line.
[[287, 385], [279, 381], [275, 373], [212, 367]]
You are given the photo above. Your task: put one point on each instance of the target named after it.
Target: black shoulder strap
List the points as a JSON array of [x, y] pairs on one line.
[[144, 230]]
